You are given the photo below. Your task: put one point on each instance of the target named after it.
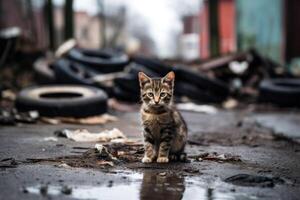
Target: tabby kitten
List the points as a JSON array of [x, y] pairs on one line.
[[164, 130]]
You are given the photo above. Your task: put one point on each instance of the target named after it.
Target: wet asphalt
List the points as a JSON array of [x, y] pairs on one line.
[[267, 151]]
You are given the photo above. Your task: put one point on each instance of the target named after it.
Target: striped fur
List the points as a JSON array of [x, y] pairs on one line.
[[164, 130]]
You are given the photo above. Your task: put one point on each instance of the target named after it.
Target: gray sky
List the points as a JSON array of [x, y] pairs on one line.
[[161, 16]]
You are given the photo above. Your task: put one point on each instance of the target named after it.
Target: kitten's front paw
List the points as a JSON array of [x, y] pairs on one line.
[[146, 160], [162, 160]]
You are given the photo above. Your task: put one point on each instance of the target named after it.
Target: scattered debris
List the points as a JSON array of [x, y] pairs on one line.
[[13, 116], [64, 165], [103, 152], [104, 162], [101, 119], [254, 180], [101, 156], [208, 109], [83, 135], [216, 157]]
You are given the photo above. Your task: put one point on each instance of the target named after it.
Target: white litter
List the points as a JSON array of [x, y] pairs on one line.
[[238, 67], [208, 109], [230, 104], [52, 139], [83, 135], [99, 147], [99, 119], [64, 165], [103, 152]]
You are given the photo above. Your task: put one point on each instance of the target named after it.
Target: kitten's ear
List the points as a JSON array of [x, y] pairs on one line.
[[169, 78], [143, 79]]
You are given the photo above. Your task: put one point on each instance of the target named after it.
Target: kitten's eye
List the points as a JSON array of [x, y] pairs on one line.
[[150, 94], [163, 94]]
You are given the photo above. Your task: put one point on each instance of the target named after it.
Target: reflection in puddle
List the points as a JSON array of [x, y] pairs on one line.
[[149, 185], [161, 186], [129, 191]]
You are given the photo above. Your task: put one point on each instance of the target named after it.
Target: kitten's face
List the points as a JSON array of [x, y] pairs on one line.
[[157, 92]]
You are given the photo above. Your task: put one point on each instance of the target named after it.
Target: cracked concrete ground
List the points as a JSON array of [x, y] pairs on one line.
[[266, 143]]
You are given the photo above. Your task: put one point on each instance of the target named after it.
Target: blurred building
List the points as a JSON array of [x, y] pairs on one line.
[[195, 38], [29, 19], [269, 26], [226, 27], [88, 28]]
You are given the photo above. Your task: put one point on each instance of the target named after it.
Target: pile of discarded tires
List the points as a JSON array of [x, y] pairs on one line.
[[80, 66], [72, 87]]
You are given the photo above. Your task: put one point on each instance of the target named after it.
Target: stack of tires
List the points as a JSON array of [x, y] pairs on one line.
[[68, 88], [79, 67]]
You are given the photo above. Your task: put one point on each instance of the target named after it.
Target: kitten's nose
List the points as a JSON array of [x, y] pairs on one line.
[[156, 99]]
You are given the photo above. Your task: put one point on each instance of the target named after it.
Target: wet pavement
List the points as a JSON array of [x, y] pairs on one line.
[[268, 165]]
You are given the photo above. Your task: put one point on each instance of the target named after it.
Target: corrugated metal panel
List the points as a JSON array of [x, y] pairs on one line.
[[259, 25]]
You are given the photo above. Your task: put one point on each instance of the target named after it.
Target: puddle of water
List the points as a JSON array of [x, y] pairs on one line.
[[149, 185]]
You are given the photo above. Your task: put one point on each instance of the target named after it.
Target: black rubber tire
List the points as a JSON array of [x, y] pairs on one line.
[[135, 68], [70, 72], [126, 96], [128, 83], [81, 101], [283, 92], [194, 78], [196, 94], [153, 64], [99, 60], [44, 72]]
